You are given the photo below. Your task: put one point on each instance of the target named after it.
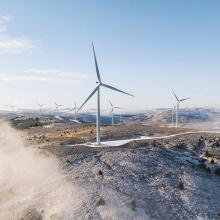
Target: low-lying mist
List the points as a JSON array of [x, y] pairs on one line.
[[31, 183]]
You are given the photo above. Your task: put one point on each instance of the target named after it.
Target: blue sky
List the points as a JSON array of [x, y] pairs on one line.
[[144, 47]]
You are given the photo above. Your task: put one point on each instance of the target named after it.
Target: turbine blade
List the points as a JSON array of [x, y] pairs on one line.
[[110, 103], [96, 64], [118, 90], [88, 97], [175, 95], [181, 100]]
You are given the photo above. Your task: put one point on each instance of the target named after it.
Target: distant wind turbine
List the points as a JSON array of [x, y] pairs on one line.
[[97, 89], [57, 107], [178, 105], [12, 108], [112, 111], [75, 110], [40, 106]]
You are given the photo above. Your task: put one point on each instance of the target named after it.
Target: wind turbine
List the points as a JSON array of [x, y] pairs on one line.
[[120, 116], [112, 111], [40, 106], [178, 105], [57, 106], [97, 89], [12, 108], [75, 110]]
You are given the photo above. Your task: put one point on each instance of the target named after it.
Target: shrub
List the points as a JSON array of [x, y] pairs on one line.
[[132, 205], [207, 154], [100, 202], [212, 161], [68, 161], [100, 173], [180, 185]]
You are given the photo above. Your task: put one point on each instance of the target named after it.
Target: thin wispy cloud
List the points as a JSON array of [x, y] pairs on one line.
[[3, 28], [10, 44], [6, 18], [58, 73], [46, 76]]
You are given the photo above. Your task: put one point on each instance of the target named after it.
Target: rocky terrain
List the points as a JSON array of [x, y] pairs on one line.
[[166, 178], [81, 133], [174, 178]]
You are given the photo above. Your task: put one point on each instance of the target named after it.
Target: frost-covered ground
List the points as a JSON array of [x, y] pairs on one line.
[[173, 177], [164, 179]]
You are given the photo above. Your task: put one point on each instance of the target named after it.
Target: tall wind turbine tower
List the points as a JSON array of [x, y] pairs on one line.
[[173, 109], [97, 89], [178, 101]]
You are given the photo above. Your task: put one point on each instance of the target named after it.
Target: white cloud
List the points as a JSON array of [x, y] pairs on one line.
[[3, 28], [47, 76], [59, 73], [6, 18], [10, 44], [14, 45]]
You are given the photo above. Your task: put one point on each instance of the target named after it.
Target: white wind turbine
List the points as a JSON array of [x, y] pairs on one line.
[[112, 111], [12, 108], [75, 110], [57, 107], [178, 105], [40, 107], [97, 89]]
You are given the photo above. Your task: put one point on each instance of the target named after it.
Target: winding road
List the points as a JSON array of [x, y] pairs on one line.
[[117, 143]]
